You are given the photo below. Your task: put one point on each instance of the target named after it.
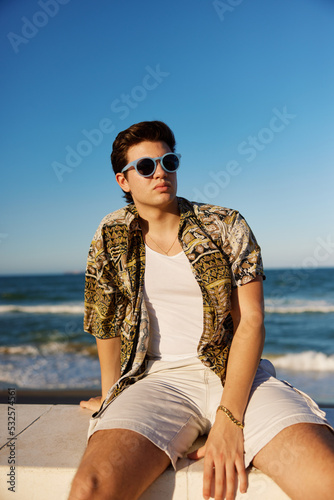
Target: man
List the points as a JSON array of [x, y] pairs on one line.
[[174, 298]]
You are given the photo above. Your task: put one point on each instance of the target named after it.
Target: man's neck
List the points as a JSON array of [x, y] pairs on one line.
[[155, 218], [161, 226]]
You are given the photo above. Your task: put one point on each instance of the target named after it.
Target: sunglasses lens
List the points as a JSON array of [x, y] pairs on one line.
[[145, 167], [171, 162]]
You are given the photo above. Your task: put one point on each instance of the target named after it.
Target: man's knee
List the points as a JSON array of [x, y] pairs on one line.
[[92, 486], [99, 477], [117, 465], [84, 487]]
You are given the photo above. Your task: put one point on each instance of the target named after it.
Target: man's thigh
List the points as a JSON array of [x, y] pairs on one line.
[[117, 463], [300, 459]]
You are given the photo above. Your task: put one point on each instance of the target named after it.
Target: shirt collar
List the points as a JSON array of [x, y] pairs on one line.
[[132, 216]]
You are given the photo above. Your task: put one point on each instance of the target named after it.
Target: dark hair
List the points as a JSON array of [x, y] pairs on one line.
[[154, 131]]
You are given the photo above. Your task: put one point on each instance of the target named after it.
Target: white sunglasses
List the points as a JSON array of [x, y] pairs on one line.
[[146, 166]]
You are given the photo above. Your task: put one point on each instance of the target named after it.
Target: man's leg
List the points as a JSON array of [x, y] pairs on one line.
[[300, 459], [118, 464]]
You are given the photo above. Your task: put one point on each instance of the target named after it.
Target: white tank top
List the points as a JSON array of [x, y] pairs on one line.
[[175, 306]]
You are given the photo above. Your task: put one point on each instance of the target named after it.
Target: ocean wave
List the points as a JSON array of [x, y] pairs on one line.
[[57, 365], [50, 348], [50, 372], [298, 306], [272, 306], [304, 361], [300, 362], [70, 308]]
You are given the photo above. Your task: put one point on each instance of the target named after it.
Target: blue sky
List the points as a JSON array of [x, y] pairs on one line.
[[247, 87]]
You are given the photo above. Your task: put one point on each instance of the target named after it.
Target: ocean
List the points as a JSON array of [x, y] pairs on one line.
[[43, 345]]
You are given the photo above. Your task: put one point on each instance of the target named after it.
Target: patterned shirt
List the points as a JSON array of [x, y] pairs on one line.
[[223, 254]]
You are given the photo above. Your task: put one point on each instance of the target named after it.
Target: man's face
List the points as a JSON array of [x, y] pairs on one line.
[[158, 190]]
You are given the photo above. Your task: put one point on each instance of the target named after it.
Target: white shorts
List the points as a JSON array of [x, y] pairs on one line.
[[177, 401]]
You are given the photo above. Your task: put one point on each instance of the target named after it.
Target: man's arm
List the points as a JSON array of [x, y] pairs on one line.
[[109, 351], [247, 345], [225, 445]]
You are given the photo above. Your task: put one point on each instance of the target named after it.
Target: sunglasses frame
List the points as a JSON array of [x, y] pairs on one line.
[[155, 160]]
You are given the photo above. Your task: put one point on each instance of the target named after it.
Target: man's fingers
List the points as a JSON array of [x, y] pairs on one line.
[[243, 478], [207, 478], [231, 484], [219, 481], [222, 474], [92, 404], [199, 453]]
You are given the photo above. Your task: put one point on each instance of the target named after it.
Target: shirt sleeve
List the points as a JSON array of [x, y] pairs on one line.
[[243, 251], [104, 308]]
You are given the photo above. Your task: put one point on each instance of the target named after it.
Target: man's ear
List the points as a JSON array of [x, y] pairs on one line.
[[122, 182]]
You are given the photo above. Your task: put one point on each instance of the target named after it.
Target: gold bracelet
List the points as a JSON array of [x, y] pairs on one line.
[[230, 416]]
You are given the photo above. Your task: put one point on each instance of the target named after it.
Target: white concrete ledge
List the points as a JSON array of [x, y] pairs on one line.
[[47, 447]]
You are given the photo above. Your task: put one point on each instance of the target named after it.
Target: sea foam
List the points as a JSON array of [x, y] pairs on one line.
[[272, 306], [304, 361], [68, 308], [295, 306]]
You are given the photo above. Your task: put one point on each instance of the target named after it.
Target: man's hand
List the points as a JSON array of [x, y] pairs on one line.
[[223, 455], [92, 404]]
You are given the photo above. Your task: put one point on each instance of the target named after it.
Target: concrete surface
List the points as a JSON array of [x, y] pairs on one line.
[[47, 446]]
